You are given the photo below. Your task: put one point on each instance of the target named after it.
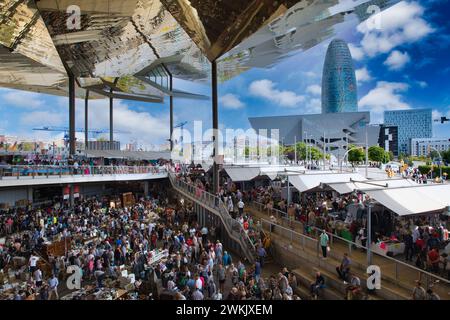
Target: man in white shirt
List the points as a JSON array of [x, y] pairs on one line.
[[241, 207], [38, 277], [33, 261]]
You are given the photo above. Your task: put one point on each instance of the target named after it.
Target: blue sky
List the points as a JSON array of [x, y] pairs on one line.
[[403, 65]]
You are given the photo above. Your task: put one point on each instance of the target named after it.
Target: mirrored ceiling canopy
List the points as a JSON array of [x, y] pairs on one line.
[[131, 46]]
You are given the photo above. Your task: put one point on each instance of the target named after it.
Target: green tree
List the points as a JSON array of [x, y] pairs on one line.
[[434, 155], [391, 156], [356, 154], [377, 154], [446, 156]]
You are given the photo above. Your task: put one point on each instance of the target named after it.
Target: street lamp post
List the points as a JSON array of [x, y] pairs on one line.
[[310, 151], [367, 153], [324, 151], [306, 149], [440, 163], [346, 153], [295, 150]]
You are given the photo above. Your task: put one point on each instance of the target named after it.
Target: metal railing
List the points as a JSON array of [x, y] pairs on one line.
[[215, 204], [32, 171], [393, 270]]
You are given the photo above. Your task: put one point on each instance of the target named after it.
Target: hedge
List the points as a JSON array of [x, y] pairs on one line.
[[436, 170]]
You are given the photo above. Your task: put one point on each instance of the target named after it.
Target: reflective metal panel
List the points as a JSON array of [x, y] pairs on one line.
[[119, 37], [303, 26]]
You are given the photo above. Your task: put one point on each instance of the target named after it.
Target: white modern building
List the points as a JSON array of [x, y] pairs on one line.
[[423, 146]]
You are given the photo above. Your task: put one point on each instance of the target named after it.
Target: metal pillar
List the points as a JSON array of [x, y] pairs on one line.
[[30, 194], [369, 234], [71, 197], [215, 126], [324, 152], [111, 120], [146, 189], [86, 120], [171, 112], [295, 150], [71, 114], [367, 154], [288, 192]]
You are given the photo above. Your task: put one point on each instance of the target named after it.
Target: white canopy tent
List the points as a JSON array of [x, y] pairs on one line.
[[413, 200], [305, 182], [247, 173], [348, 187], [242, 174]]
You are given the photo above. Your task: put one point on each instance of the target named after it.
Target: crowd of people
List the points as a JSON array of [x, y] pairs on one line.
[[197, 266]]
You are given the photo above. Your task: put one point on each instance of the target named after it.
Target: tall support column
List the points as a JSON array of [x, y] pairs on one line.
[[86, 120], [215, 126], [369, 234], [171, 112], [146, 189], [30, 194], [111, 120], [71, 196], [71, 114]]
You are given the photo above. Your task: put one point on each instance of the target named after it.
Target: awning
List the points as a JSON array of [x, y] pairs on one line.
[[273, 171], [413, 200], [242, 174], [348, 187], [131, 155], [305, 182], [249, 173]]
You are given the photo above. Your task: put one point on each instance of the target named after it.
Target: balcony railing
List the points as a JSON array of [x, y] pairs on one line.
[[395, 271], [32, 171], [215, 204]]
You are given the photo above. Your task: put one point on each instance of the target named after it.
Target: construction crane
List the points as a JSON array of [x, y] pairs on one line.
[[94, 132], [181, 125]]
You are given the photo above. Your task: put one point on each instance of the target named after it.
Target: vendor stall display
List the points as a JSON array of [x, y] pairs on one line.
[[389, 247]]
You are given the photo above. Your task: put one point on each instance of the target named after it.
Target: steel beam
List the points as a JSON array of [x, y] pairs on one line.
[[86, 120], [71, 114], [111, 120], [215, 126], [171, 110]]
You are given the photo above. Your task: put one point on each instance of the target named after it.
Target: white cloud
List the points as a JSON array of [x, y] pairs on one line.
[[363, 75], [314, 89], [385, 96], [39, 118], [397, 60], [22, 99], [231, 101], [313, 106], [266, 89], [310, 74], [141, 126], [399, 24], [356, 52], [438, 114], [422, 84]]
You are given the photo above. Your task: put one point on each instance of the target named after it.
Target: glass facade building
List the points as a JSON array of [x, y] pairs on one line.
[[415, 123], [339, 91]]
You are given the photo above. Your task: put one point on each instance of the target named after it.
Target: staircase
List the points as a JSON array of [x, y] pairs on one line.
[[215, 205], [301, 254]]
